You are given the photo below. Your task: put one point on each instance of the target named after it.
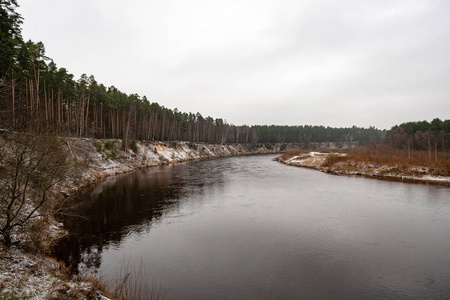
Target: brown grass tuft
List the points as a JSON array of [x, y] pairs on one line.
[[334, 159], [381, 154], [135, 284]]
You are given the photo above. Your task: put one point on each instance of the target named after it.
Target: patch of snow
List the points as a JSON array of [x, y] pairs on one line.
[[436, 178]]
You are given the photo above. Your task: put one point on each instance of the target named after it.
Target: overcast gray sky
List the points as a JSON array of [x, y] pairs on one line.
[[332, 63]]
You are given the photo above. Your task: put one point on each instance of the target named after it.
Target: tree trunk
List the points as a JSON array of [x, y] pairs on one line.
[[87, 113], [7, 238], [53, 104], [37, 90], [435, 150], [30, 86], [82, 115], [13, 100], [409, 149], [429, 148], [117, 124], [59, 105], [45, 102], [68, 116], [126, 132], [101, 120]]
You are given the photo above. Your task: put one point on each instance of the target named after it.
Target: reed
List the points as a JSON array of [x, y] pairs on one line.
[[134, 283]]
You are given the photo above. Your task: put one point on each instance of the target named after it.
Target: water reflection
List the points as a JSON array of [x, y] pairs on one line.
[[248, 227], [109, 211]]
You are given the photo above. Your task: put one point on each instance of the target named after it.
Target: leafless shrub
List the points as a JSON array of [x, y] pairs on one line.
[[30, 165]]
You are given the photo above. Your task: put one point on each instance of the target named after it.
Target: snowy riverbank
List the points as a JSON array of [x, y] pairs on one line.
[[337, 166], [32, 274], [107, 157]]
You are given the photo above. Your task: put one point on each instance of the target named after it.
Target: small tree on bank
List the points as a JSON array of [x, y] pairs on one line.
[[30, 165]]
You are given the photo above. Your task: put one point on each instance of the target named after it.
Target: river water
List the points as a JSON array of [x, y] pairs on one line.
[[252, 228]]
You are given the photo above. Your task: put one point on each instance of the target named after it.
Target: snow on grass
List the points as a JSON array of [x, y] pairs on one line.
[[317, 161], [24, 275], [308, 160]]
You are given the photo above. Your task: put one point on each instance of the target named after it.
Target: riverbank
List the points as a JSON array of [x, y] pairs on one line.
[[339, 163], [105, 158], [26, 270]]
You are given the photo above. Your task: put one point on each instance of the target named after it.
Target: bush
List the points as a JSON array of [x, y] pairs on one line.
[[98, 146], [134, 146], [112, 154], [109, 145]]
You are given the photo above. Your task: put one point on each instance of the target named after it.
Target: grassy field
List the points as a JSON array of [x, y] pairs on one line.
[[376, 155]]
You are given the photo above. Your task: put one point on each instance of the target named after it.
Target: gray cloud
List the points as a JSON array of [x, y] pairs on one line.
[[337, 63]]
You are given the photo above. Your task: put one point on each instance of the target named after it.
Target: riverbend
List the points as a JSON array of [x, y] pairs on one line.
[[250, 227]]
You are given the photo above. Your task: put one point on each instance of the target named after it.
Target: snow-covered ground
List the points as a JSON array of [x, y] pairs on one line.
[[317, 160], [28, 276], [308, 160], [34, 276]]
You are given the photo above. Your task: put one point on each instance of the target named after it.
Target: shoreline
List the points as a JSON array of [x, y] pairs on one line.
[[318, 161], [107, 161], [37, 275], [28, 270]]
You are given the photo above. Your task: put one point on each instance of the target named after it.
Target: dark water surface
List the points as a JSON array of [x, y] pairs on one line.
[[252, 228]]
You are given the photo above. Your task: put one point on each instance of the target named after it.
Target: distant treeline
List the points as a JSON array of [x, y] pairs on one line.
[[34, 92], [308, 134], [422, 135]]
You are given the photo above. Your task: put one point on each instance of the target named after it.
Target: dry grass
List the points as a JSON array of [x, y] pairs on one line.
[[135, 284], [381, 154], [332, 160], [99, 284], [131, 283]]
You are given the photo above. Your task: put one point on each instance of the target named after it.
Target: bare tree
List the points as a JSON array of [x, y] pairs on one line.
[[30, 165]]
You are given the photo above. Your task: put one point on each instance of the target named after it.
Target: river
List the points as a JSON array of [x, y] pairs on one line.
[[252, 228]]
